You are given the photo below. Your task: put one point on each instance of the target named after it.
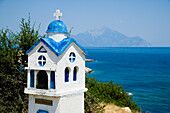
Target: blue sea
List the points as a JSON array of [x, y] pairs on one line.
[[142, 71]]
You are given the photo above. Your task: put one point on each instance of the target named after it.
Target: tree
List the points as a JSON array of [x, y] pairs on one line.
[[27, 36], [12, 78]]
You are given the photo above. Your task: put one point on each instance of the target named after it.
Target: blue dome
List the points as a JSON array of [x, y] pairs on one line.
[[57, 26]]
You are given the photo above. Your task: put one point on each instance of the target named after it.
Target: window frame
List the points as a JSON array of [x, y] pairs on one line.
[[32, 78], [42, 60], [72, 59], [52, 80], [66, 75], [75, 73]]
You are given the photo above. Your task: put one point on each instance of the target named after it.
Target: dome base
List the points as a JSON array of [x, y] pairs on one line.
[[57, 36]]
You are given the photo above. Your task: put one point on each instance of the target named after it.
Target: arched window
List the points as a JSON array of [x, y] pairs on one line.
[[32, 78], [75, 73], [66, 74], [72, 57], [42, 80], [41, 60], [52, 80]]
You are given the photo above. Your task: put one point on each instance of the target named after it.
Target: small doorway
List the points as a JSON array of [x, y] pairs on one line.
[[42, 80]]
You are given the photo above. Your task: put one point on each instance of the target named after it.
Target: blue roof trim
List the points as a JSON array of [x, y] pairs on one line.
[[56, 47]]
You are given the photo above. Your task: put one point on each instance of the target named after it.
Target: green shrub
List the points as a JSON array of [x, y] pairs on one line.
[[92, 104], [109, 92]]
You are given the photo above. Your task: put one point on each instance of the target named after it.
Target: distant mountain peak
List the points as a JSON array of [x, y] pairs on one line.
[[106, 37], [99, 31]]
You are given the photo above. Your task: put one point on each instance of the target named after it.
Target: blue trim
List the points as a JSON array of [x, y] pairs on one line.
[[66, 74], [32, 78], [42, 111], [33, 46], [75, 74], [56, 47], [52, 80]]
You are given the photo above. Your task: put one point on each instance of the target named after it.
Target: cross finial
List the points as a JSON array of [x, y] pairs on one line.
[[57, 14]]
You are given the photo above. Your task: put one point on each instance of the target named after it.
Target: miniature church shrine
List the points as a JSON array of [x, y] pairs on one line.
[[56, 72]]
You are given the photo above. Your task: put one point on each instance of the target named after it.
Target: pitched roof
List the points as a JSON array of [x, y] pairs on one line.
[[56, 47]]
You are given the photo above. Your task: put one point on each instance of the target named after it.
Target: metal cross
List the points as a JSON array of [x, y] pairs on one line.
[[57, 14]]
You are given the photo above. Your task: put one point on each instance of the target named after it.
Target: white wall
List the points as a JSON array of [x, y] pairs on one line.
[[72, 103], [57, 36], [59, 63], [51, 58], [70, 98], [33, 108], [64, 62], [66, 104]]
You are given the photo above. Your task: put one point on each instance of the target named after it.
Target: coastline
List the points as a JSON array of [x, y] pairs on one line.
[[87, 69], [89, 60], [111, 107]]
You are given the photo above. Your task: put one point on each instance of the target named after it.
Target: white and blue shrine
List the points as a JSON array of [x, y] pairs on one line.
[[56, 72]]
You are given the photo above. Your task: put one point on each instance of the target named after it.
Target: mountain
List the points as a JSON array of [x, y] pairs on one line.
[[106, 37]]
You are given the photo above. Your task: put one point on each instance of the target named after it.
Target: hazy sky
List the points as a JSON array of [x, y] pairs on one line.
[[149, 19]]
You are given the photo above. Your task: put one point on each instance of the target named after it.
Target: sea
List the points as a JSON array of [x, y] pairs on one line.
[[144, 72]]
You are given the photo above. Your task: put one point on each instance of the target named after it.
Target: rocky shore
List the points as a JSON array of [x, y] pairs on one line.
[[111, 108], [88, 70], [90, 60]]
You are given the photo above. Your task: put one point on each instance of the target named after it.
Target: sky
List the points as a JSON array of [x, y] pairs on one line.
[[148, 19]]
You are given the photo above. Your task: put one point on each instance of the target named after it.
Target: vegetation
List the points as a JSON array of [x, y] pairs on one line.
[[92, 104], [13, 78], [108, 92]]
